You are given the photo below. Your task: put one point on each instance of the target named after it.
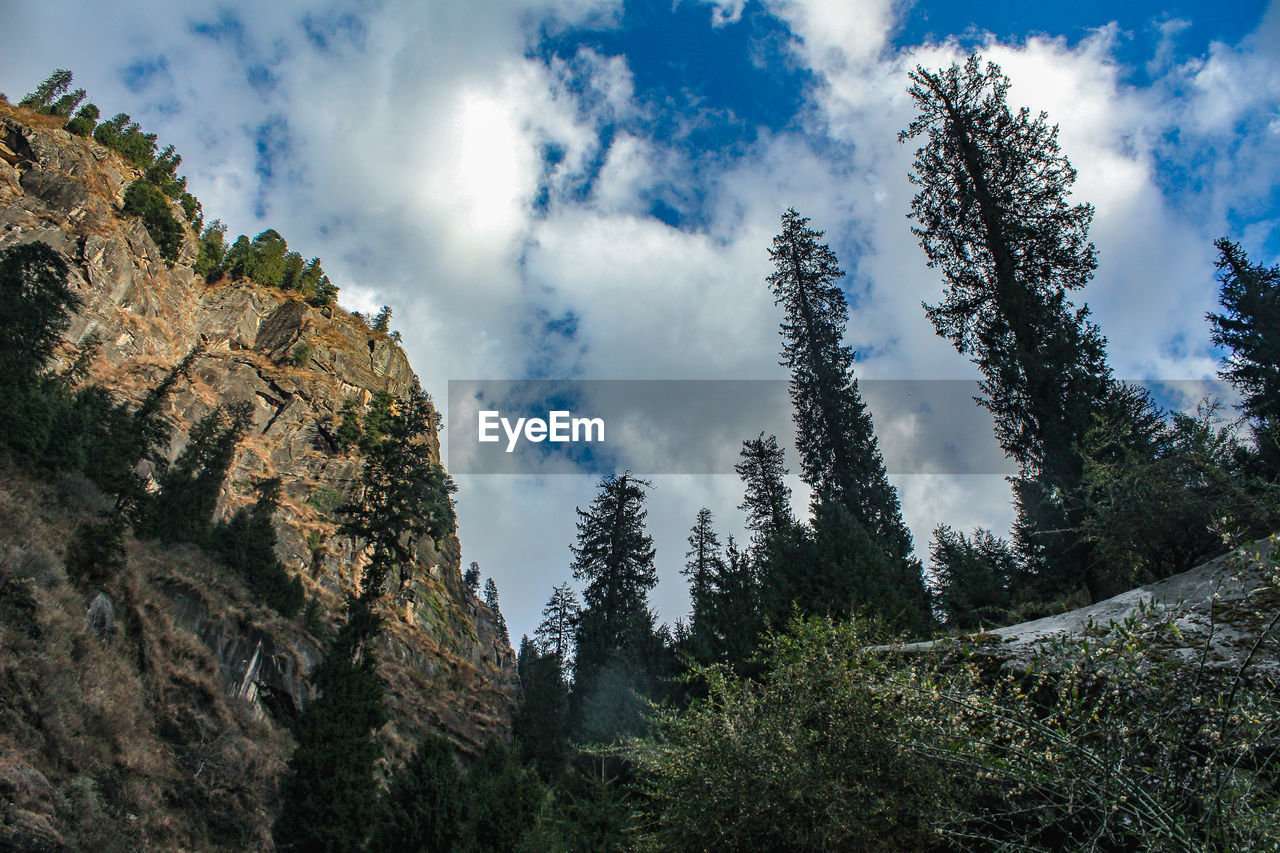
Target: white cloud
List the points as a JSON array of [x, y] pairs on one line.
[[414, 157]]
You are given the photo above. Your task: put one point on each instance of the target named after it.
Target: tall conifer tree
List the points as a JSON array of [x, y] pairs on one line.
[[994, 217], [837, 445]]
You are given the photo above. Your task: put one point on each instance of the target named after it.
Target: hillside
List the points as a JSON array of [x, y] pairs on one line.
[[191, 663]]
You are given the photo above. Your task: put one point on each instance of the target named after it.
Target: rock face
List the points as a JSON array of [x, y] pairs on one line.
[[446, 667], [1222, 610]]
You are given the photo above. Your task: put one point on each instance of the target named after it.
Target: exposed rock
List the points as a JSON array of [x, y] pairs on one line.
[[1221, 610], [100, 616], [445, 665]]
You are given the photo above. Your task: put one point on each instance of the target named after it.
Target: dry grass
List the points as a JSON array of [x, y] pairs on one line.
[[140, 745]]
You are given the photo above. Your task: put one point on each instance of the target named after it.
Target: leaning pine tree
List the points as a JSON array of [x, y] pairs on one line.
[[993, 216], [862, 549]]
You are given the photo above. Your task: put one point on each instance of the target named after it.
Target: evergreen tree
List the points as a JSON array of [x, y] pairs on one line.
[[541, 723], [66, 105], [614, 556], [183, 509], [377, 421], [767, 501], [247, 544], [146, 201], [53, 86], [330, 789], [491, 599], [403, 493], [349, 431], [85, 120], [35, 309], [975, 577], [1250, 326], [472, 578], [559, 621], [703, 567], [994, 218], [382, 322], [212, 252], [834, 434], [837, 446], [424, 805], [503, 803]]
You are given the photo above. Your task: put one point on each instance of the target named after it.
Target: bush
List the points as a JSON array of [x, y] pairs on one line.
[[810, 761], [301, 354], [147, 201]]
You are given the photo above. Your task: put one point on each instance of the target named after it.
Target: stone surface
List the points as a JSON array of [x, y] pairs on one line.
[[444, 663]]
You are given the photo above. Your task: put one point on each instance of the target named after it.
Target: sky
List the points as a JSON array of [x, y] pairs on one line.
[[586, 189]]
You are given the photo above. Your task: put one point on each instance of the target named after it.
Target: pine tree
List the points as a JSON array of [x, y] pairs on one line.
[[1250, 326], [53, 86], [541, 723], [491, 599], [472, 578], [837, 446], [503, 802], [703, 566], [330, 788], [423, 807], [614, 555], [834, 434], [247, 544], [559, 621], [382, 322], [974, 577], [183, 509], [403, 493], [36, 304], [994, 218]]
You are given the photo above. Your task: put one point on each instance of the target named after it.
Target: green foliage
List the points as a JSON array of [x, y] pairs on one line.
[[349, 431], [403, 492], [213, 251], [300, 354], [974, 578], [246, 543], [1156, 513], [96, 551], [147, 201], [503, 801], [35, 308], [1248, 325], [423, 807], [123, 134], [541, 723], [182, 511], [329, 793], [809, 760], [84, 121], [382, 322], [268, 261], [491, 599], [472, 579], [587, 810], [45, 94], [377, 421]]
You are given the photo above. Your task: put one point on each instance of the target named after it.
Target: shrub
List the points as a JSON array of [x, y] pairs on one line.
[[147, 201], [85, 120], [301, 354]]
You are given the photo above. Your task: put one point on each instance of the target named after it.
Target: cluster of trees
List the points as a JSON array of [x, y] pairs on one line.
[[1112, 491], [266, 259]]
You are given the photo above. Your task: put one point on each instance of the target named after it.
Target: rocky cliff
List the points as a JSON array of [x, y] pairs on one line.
[[446, 667]]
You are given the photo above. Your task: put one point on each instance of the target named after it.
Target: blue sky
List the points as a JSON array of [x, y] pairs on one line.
[[587, 188]]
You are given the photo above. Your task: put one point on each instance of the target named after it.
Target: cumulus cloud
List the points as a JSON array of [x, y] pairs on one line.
[[502, 202]]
